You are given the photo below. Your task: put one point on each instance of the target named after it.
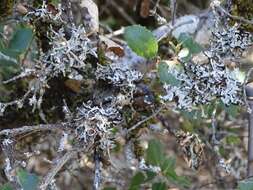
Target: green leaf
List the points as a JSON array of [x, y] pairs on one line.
[[109, 188], [155, 153], [155, 156], [159, 186], [246, 184], [188, 42], [141, 41], [10, 53], [21, 40], [2, 44], [168, 164], [137, 180], [233, 140], [168, 170], [27, 180], [6, 186], [149, 175], [166, 76]]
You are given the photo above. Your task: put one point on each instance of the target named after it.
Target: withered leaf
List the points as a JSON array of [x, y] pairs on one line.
[[112, 46]]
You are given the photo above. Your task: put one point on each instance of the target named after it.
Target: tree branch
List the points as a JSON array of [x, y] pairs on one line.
[[26, 129]]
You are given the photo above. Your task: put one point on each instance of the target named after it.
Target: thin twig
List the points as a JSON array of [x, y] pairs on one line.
[[244, 89], [250, 142], [8, 58], [98, 176], [165, 30], [20, 76], [214, 140], [145, 120], [116, 33], [60, 163], [122, 12], [7, 149], [249, 89], [234, 17], [173, 7]]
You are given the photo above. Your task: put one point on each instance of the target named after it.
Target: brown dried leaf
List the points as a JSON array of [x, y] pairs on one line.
[[112, 46]]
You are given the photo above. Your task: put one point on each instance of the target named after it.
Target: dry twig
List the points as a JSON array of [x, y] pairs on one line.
[[60, 163], [146, 119]]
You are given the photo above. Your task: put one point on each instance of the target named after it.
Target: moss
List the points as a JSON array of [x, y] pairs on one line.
[[243, 8]]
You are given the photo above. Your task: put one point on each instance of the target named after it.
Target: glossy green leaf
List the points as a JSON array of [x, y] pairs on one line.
[[6, 186], [188, 42], [165, 76], [27, 180], [141, 41], [159, 186]]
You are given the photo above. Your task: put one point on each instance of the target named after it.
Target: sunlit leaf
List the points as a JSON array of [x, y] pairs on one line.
[[141, 41]]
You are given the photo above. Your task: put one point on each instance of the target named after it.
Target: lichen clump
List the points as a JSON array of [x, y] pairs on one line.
[[201, 83]]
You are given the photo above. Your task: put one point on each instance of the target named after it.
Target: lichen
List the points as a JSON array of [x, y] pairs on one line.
[[203, 83]]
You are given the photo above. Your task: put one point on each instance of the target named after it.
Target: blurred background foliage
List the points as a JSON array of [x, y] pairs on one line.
[[18, 46]]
